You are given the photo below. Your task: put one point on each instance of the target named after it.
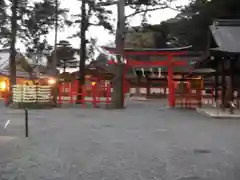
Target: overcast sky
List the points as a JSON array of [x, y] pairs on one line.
[[101, 34]]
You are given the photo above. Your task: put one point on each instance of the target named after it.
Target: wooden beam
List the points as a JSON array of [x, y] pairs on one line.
[[136, 63]]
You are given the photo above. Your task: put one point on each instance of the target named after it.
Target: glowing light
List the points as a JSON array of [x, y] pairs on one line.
[[3, 85], [51, 81], [94, 83]]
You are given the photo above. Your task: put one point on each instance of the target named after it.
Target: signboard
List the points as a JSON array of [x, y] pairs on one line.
[[32, 94]]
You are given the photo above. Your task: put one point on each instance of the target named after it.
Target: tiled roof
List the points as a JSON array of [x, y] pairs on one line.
[[226, 34], [4, 64]]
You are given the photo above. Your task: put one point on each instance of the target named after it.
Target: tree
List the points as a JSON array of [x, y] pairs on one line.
[[39, 20], [64, 55], [9, 35], [28, 23], [4, 29], [89, 9], [140, 7], [191, 26], [12, 63], [148, 36], [34, 22]]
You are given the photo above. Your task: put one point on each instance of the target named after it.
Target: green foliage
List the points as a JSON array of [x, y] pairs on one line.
[[149, 36], [34, 22], [65, 54], [101, 16], [147, 2], [191, 26], [4, 31], [95, 15], [38, 22]]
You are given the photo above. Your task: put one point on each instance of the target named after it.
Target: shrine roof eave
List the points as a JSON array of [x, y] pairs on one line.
[[163, 50], [224, 51], [207, 62], [18, 76], [203, 63], [202, 72]]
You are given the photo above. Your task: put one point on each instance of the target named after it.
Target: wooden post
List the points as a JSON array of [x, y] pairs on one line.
[[216, 86], [171, 95], [108, 94], [94, 95], [26, 122], [148, 87], [238, 96], [223, 84], [83, 95], [200, 89], [138, 84], [70, 89], [60, 93], [231, 99]]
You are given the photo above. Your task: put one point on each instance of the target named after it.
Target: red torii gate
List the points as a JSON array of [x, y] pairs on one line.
[[169, 62]]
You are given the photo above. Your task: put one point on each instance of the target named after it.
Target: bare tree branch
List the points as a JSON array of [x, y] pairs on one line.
[[107, 3], [143, 11], [92, 24], [140, 11]]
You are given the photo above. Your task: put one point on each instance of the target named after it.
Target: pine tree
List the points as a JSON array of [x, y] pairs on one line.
[[27, 23], [4, 19], [140, 7], [89, 9], [38, 22]]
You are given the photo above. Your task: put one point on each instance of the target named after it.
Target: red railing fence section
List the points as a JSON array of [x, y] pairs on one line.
[[94, 93]]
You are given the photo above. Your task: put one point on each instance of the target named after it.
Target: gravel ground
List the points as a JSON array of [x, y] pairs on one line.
[[145, 141]]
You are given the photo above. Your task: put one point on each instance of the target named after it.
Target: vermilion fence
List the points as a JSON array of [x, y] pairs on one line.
[[100, 93], [71, 93]]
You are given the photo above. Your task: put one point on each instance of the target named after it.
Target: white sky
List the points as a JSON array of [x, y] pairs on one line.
[[102, 35]]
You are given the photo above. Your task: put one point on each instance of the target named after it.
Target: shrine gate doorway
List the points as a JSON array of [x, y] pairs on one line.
[[169, 62]]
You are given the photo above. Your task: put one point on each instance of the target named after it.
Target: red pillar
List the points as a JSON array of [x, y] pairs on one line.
[[108, 94], [171, 96], [71, 92], [124, 84], [94, 95]]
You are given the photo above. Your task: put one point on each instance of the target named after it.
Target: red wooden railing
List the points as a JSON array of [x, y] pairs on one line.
[[93, 94]]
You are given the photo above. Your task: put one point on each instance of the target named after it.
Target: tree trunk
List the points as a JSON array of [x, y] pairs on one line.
[[54, 61], [26, 67], [13, 49], [64, 66], [81, 75], [118, 93], [117, 82]]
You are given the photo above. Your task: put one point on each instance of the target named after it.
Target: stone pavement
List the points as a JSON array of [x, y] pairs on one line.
[[145, 141], [218, 113]]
